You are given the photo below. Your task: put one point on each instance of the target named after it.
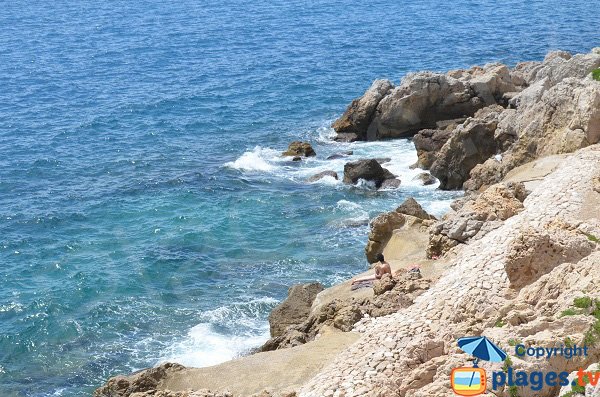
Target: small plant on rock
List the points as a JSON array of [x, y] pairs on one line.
[[596, 74]]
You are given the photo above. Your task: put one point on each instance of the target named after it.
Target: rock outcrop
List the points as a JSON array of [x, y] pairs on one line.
[[295, 309], [139, 383], [368, 170], [355, 121], [471, 143], [299, 149], [425, 178], [475, 217], [558, 113], [428, 143], [423, 99], [390, 295], [408, 214]]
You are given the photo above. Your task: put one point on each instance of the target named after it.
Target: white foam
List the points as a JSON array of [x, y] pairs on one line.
[[223, 334], [258, 159]]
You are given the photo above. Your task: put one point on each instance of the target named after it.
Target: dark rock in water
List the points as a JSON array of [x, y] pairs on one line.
[[322, 175], [426, 178], [382, 160], [384, 284], [340, 155], [346, 137], [428, 143], [411, 207], [298, 148], [295, 308], [369, 170], [471, 144], [358, 116], [390, 184], [297, 158]]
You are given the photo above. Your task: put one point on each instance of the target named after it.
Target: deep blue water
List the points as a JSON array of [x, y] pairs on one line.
[[144, 212]]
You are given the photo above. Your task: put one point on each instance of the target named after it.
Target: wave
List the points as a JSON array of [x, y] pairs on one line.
[[258, 159], [223, 334]]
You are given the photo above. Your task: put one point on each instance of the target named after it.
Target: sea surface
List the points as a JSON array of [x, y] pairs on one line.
[[145, 212]]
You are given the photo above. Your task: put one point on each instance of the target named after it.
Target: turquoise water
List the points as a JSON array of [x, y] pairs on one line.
[[144, 212]]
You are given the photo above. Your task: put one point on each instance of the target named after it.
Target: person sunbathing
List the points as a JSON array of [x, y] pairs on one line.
[[381, 268]]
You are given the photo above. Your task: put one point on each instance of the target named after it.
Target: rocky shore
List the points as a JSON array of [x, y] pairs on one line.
[[510, 261]]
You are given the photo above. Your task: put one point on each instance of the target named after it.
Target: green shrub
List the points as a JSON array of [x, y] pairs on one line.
[[513, 391], [582, 303], [596, 74], [591, 237], [513, 342], [568, 312], [569, 342], [499, 323]]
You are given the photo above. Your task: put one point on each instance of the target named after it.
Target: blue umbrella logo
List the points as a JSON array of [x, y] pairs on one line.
[[482, 348]]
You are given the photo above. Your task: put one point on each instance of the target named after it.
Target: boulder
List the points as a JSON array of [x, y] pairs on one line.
[[384, 284], [411, 207], [384, 225], [299, 149], [471, 143], [358, 116], [322, 175], [369, 170], [428, 143], [346, 137], [426, 178], [295, 308], [390, 184]]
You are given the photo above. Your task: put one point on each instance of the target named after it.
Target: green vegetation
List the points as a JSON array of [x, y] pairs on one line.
[[591, 237], [513, 391], [507, 363], [568, 312], [569, 342], [513, 342], [582, 303], [596, 74], [499, 323]]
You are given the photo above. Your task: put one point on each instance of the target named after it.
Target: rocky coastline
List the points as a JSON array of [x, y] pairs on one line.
[[524, 145]]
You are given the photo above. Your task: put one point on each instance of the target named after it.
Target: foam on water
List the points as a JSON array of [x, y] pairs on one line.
[[223, 334]]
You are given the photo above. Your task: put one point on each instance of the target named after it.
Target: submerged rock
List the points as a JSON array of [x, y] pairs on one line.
[[322, 175], [299, 149], [391, 184], [341, 155], [369, 170], [426, 178]]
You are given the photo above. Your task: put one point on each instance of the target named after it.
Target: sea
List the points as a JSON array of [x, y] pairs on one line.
[[146, 214]]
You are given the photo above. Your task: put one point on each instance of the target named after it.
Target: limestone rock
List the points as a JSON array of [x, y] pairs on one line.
[[322, 175], [144, 381], [299, 149], [358, 116], [471, 143], [476, 217], [383, 226], [428, 143], [295, 308], [340, 155], [369, 170], [384, 284]]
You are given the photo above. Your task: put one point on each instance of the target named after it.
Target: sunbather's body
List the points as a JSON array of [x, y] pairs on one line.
[[381, 268]]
